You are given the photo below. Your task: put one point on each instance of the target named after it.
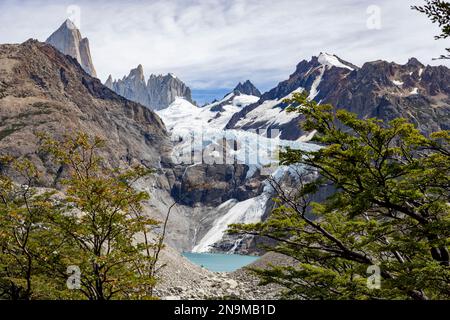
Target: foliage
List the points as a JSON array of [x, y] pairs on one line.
[[103, 220], [439, 12], [95, 223], [27, 240], [389, 208]]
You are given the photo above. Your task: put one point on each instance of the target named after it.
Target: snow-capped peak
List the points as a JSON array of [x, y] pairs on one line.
[[331, 60]]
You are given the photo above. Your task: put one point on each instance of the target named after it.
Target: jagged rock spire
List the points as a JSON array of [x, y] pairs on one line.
[[247, 88], [69, 41], [157, 93]]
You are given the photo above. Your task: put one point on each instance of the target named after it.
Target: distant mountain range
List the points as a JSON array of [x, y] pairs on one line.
[[378, 89], [157, 93]]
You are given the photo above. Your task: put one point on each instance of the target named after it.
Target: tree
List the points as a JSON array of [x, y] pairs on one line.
[[109, 238], [439, 12], [389, 210], [26, 237]]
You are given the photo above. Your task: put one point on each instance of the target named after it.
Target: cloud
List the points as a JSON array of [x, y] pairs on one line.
[[217, 43]]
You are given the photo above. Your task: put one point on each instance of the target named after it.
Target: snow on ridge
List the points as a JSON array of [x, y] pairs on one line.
[[331, 60], [270, 112], [224, 99], [397, 82], [181, 114], [314, 87], [244, 100]]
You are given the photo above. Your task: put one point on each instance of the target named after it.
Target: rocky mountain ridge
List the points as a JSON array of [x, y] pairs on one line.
[[377, 89], [46, 91], [247, 88], [157, 93]]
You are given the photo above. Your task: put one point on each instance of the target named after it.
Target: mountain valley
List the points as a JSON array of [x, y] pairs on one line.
[[213, 165]]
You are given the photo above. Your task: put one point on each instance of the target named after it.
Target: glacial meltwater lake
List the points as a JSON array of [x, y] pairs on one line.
[[220, 262]]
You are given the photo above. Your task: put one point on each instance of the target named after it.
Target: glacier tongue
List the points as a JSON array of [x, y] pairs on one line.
[[248, 211], [189, 123]]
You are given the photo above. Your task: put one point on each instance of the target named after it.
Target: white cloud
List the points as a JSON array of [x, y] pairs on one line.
[[217, 43]]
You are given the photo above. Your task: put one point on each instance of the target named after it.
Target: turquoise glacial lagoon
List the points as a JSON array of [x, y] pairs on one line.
[[217, 262]]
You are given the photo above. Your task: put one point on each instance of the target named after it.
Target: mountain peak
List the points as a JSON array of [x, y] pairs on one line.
[[332, 60], [68, 40], [69, 24], [247, 88], [158, 93], [109, 82], [137, 73], [414, 62]]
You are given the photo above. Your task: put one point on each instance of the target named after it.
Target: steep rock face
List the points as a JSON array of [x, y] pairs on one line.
[[247, 88], [46, 91], [212, 185], [157, 93], [163, 90], [69, 41], [377, 89]]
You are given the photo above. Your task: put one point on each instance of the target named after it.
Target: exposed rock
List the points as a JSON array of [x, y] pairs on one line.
[[214, 184], [378, 89], [247, 88], [69, 41], [233, 98], [46, 91], [158, 93]]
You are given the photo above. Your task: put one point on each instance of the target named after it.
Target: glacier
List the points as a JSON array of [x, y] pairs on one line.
[[198, 136]]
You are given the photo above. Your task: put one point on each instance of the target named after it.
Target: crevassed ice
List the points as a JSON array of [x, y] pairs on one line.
[[194, 130], [248, 211]]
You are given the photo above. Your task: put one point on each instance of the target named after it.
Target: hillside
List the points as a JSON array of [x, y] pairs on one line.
[[43, 90]]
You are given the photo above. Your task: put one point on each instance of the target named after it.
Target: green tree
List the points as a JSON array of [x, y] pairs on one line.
[[27, 240], [390, 209], [439, 12], [109, 238]]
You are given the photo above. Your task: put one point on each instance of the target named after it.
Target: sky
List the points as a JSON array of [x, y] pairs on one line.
[[213, 44]]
